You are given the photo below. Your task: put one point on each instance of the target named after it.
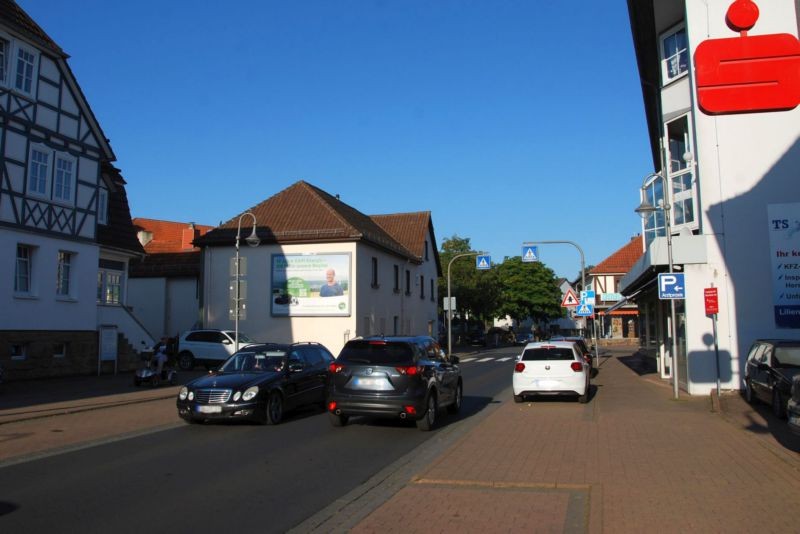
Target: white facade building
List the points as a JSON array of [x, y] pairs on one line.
[[65, 229], [387, 266], [725, 176]]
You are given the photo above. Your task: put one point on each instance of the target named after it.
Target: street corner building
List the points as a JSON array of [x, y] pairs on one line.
[[322, 271], [66, 236], [720, 81]]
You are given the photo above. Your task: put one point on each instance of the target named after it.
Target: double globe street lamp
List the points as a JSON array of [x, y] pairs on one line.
[[645, 209], [253, 241]]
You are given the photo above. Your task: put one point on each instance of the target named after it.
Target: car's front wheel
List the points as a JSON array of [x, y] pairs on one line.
[[456, 406], [186, 360], [274, 408], [429, 418], [748, 391]]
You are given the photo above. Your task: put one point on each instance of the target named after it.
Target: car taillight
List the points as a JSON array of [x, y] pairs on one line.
[[332, 406], [410, 410], [335, 367], [409, 370], [576, 366], [519, 367]]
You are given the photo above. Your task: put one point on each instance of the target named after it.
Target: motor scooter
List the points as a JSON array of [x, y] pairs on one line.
[[148, 373]]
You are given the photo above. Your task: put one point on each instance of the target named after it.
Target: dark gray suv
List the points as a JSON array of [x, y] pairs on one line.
[[393, 377]]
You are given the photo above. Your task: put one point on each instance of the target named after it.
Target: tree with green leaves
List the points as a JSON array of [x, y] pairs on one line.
[[528, 289], [476, 292]]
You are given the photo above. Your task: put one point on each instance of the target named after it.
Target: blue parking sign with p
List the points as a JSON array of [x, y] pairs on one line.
[[671, 286]]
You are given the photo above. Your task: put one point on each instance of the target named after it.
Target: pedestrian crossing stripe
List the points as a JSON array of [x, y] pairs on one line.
[[464, 360], [504, 359]]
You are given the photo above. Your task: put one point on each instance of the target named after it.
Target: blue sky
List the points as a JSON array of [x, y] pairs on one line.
[[509, 120]]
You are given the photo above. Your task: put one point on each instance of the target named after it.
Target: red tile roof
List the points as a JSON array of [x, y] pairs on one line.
[[621, 261], [168, 236], [14, 16], [411, 230], [303, 213]]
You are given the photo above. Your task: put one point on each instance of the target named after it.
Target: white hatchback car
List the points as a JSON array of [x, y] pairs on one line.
[[551, 368]]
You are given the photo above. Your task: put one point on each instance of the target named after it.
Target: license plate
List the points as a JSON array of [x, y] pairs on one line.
[[209, 409], [367, 382]]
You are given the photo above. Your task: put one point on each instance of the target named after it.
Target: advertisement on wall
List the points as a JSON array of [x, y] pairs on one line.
[[784, 247], [310, 285]]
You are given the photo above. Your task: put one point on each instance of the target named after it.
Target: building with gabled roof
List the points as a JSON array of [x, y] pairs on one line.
[[67, 236], [615, 317], [165, 283], [385, 270]]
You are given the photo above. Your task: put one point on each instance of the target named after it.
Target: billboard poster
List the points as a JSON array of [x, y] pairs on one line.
[[311, 284], [784, 248]]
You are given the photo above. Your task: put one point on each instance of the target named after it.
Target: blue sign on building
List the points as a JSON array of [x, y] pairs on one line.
[[671, 286]]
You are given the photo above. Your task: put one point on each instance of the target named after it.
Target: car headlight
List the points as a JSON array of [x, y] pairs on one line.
[[183, 393], [191, 395], [237, 396], [250, 393]]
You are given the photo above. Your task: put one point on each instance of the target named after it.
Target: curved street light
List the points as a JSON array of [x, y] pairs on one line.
[[449, 300], [253, 241], [645, 209]]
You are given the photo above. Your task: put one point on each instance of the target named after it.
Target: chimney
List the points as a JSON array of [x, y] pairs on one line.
[[188, 235]]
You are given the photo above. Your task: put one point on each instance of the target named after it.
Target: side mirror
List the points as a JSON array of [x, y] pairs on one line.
[[226, 342]]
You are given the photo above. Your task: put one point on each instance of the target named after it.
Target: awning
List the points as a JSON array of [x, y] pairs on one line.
[[621, 303]]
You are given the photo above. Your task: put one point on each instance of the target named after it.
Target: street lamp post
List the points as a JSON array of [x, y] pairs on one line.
[[253, 241], [645, 209], [449, 301]]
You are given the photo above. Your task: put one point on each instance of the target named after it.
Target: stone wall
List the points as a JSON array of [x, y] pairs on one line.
[[59, 353]]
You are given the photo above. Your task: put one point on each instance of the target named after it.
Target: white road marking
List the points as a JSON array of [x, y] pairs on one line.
[[485, 360], [505, 359], [463, 360]]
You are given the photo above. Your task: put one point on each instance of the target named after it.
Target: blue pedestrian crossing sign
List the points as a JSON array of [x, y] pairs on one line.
[[530, 254], [584, 310], [483, 263]]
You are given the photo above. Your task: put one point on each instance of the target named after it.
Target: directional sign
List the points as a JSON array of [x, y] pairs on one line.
[[588, 296], [584, 310], [483, 263], [569, 299], [530, 254], [671, 286]]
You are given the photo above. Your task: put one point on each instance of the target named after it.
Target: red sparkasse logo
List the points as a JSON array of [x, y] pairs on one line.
[[747, 73]]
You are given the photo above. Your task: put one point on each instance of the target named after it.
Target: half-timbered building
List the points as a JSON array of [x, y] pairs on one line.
[[65, 229]]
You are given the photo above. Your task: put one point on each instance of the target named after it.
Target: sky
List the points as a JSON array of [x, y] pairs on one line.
[[511, 121]]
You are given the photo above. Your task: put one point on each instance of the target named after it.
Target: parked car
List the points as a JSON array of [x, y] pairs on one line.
[[208, 347], [260, 382], [476, 338], [793, 406], [523, 339], [771, 366], [585, 348], [394, 377], [551, 368]]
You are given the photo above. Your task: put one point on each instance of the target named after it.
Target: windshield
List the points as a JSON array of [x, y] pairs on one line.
[[376, 352], [787, 356], [269, 361], [548, 353], [242, 338]]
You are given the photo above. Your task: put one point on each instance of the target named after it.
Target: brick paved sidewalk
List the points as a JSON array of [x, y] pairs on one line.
[[632, 460]]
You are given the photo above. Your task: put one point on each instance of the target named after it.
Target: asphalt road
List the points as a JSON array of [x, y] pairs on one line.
[[226, 476]]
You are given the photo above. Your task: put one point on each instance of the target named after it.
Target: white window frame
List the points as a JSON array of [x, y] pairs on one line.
[[105, 289], [69, 196], [34, 191], [678, 171], [64, 276], [34, 71], [102, 205], [26, 264], [666, 78]]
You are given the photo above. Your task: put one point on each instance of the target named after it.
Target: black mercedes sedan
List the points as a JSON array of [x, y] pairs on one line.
[[259, 383], [770, 368]]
